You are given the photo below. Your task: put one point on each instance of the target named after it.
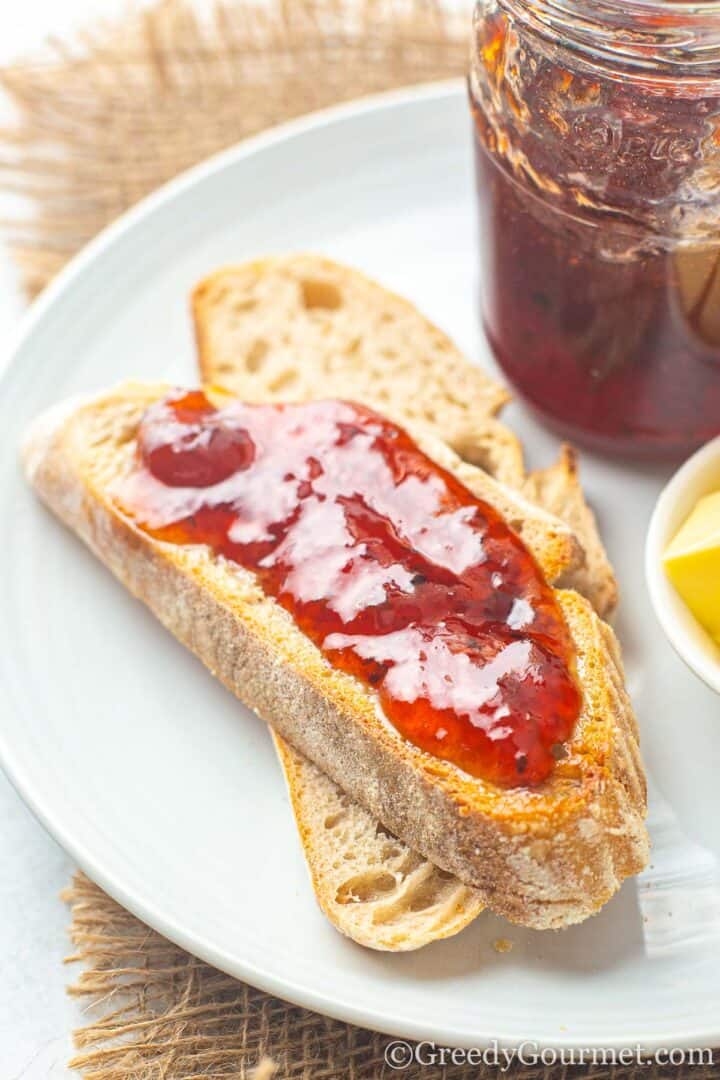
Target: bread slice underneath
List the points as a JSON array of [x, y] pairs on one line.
[[304, 326], [301, 327], [373, 886], [297, 327], [543, 857]]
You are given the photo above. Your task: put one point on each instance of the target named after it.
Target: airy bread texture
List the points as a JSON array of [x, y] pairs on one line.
[[372, 886], [299, 327], [543, 857]]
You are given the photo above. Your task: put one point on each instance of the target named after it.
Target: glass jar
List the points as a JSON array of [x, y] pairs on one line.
[[597, 126]]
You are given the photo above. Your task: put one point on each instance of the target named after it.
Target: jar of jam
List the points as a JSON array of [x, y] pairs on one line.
[[597, 128]]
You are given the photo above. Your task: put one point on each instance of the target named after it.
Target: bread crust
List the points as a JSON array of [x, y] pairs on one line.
[[257, 336], [542, 858], [370, 884]]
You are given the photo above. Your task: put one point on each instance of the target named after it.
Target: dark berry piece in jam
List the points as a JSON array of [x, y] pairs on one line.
[[202, 453], [387, 562]]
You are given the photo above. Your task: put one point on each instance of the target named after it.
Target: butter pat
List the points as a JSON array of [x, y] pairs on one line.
[[692, 562]]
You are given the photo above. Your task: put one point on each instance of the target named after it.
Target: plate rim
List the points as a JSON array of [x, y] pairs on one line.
[[146, 910], [186, 179]]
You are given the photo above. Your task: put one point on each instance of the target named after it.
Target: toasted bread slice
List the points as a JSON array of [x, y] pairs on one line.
[[543, 857], [300, 327], [254, 326], [558, 490], [371, 885]]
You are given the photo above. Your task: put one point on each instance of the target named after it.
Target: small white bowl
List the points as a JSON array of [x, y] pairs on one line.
[[699, 476]]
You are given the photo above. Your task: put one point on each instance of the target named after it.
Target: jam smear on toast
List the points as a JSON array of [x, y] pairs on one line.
[[388, 563]]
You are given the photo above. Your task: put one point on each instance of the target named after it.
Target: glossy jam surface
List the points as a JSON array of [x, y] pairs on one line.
[[389, 564], [599, 208]]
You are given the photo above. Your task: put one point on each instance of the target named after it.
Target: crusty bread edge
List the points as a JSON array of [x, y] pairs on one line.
[[485, 442], [320, 263], [541, 870], [378, 934]]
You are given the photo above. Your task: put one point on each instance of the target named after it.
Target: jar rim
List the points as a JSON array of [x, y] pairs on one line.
[[656, 36]]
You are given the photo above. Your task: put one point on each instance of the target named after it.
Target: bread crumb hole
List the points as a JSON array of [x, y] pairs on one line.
[[320, 294], [122, 438], [258, 352], [424, 897], [333, 820], [364, 888], [391, 851], [283, 381], [241, 305]]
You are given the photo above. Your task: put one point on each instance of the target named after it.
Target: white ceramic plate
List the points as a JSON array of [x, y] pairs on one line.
[[699, 476], [164, 788]]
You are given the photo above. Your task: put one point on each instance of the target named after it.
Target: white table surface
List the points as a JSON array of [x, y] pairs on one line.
[[36, 1016]]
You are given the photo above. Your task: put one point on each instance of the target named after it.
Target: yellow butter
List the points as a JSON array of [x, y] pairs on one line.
[[692, 562]]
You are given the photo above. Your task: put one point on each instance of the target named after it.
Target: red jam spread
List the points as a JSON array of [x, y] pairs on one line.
[[387, 562], [598, 198]]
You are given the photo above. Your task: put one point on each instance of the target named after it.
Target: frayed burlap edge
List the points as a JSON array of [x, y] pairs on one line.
[[104, 121], [161, 1014], [155, 1011]]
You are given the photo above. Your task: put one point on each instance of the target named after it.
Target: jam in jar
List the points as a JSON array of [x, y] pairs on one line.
[[397, 572], [597, 133]]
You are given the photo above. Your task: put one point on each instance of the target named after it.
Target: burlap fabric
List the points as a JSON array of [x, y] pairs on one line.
[[127, 105], [100, 122]]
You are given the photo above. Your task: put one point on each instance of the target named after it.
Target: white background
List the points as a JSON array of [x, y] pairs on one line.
[[36, 1016]]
